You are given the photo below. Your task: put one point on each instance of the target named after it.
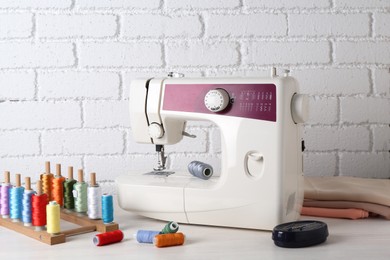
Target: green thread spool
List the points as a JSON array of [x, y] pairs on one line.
[[80, 193], [171, 227], [68, 190]]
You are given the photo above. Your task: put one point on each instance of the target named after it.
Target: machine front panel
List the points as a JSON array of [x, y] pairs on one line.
[[256, 101]]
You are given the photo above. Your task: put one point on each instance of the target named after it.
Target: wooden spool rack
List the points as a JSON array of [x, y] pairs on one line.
[[86, 225]]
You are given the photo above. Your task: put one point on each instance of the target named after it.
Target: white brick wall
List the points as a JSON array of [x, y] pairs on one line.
[[66, 66]]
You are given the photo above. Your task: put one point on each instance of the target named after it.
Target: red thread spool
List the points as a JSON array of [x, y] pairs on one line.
[[38, 210], [108, 238]]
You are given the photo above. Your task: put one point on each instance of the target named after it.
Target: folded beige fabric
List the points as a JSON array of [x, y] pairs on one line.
[[384, 211], [344, 188], [334, 213]]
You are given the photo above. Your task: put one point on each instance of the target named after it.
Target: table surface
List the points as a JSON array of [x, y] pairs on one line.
[[357, 239]]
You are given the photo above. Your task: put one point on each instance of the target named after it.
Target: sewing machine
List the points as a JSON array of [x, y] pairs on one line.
[[261, 182]]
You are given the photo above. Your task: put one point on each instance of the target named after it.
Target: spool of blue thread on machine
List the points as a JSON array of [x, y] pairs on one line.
[[15, 200], [201, 170], [107, 208]]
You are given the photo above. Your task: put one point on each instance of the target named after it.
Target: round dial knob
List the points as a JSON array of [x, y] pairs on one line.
[[156, 130], [216, 100], [300, 108]]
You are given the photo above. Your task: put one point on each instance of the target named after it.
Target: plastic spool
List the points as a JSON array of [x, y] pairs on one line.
[[146, 236], [80, 194], [53, 217], [107, 208], [300, 234], [94, 199], [26, 202], [108, 238], [15, 200], [165, 240], [171, 227], [4, 211], [201, 170]]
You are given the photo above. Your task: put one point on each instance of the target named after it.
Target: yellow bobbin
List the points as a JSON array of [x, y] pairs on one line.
[[53, 217]]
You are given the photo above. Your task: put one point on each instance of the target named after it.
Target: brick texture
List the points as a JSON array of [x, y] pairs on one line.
[[78, 84], [15, 25], [161, 26], [254, 24], [329, 24], [63, 26]]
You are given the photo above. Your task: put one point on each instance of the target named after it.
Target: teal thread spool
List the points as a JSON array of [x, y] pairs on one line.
[[80, 194], [171, 227], [107, 208], [15, 200]]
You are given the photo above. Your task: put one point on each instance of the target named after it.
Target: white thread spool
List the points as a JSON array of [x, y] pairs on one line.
[[94, 199]]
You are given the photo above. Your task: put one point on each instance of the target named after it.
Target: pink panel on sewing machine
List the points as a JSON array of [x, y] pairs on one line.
[[256, 101]]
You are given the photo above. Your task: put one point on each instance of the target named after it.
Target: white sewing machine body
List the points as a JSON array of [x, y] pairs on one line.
[[261, 182]]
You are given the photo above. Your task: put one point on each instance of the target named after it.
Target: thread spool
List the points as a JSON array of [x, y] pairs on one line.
[[94, 198], [171, 227], [47, 179], [38, 204], [146, 236], [57, 189], [165, 240], [80, 194], [4, 211], [107, 208], [15, 200], [26, 202], [68, 190], [108, 238], [201, 170], [53, 217]]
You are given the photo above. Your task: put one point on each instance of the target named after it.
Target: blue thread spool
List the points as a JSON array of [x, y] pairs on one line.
[[107, 208], [201, 170], [26, 205], [146, 236], [15, 201]]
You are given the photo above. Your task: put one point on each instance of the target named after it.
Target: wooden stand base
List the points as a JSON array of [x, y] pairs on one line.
[[87, 225]]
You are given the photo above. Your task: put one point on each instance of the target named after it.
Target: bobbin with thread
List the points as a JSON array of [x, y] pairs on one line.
[[38, 204], [201, 170], [15, 199], [47, 179], [57, 190], [68, 190], [80, 194], [4, 211], [172, 239], [108, 238], [94, 198], [26, 202], [53, 218]]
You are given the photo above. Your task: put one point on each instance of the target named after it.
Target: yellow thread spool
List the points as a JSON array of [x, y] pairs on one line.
[[53, 217]]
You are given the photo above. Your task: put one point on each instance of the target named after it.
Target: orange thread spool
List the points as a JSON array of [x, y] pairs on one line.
[[38, 207], [47, 179], [57, 189], [172, 239]]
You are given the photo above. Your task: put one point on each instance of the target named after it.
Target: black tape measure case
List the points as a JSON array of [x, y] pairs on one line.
[[300, 233]]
